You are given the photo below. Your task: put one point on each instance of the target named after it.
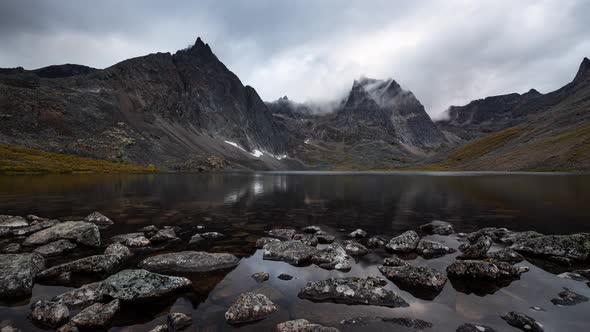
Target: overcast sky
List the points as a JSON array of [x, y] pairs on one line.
[[447, 52]]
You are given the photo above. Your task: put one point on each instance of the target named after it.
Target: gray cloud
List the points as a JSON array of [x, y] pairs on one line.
[[446, 52]]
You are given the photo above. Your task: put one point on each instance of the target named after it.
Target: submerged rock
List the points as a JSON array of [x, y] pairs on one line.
[[422, 282], [404, 243], [522, 322], [140, 285], [163, 235], [506, 255], [292, 252], [98, 219], [49, 313], [476, 269], [357, 234], [285, 276], [303, 325], [354, 248], [81, 297], [264, 240], [250, 307], [376, 242], [332, 257], [476, 250], [97, 315], [576, 246], [212, 236], [17, 274], [55, 248], [312, 229], [282, 233], [149, 231], [78, 231], [568, 297], [352, 290], [429, 249], [411, 323], [34, 227], [324, 237], [437, 227], [260, 276], [179, 321], [468, 327], [98, 264], [189, 261]]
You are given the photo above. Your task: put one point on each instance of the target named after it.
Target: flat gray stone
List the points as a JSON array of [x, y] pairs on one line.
[[49, 314], [17, 274], [303, 325], [78, 231], [404, 243], [250, 307], [437, 227], [293, 252], [189, 261], [575, 246], [99, 219], [333, 257], [98, 315], [55, 248]]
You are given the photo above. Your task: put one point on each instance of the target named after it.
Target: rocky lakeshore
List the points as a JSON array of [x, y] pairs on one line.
[[104, 275]]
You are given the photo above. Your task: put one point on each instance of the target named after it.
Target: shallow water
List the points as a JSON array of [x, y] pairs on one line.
[[244, 205]]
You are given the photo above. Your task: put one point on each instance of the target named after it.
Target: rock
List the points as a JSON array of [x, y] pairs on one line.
[[34, 227], [583, 273], [17, 274], [69, 327], [160, 328], [309, 239], [97, 315], [563, 261], [249, 307], [352, 290], [332, 257], [394, 261], [437, 227], [55, 248], [212, 236], [149, 231], [284, 276], [117, 249], [50, 314], [179, 321], [357, 234], [137, 242], [189, 262], [9, 328], [12, 248], [282, 233], [78, 231], [163, 235], [303, 325], [98, 219], [196, 240], [522, 322], [404, 243], [33, 218], [121, 238], [324, 237], [140, 285], [476, 250], [430, 249], [468, 327], [568, 297], [422, 282], [513, 237], [311, 229], [354, 248], [375, 242], [576, 246], [411, 323], [261, 276], [81, 297], [264, 240], [12, 222], [92, 265], [573, 276], [493, 233], [476, 269], [506, 255], [292, 252]]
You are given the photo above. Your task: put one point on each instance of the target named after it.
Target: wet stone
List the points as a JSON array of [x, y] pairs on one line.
[[430, 249], [394, 261], [55, 248], [324, 237], [476, 250], [212, 236], [292, 252], [81, 297], [404, 243], [352, 290], [78, 231], [98, 219], [284, 276], [573, 276], [34, 227], [357, 234], [163, 235], [506, 255], [98, 264], [69, 327], [17, 274], [522, 322], [303, 325], [140, 285], [567, 298], [282, 233], [189, 261], [10, 222], [12, 248], [468, 327], [121, 238], [9, 328], [476, 269], [311, 229], [249, 307], [422, 282], [264, 240], [97, 315], [575, 246], [411, 323], [261, 276], [513, 237], [160, 328], [309, 239], [149, 231], [492, 232], [354, 248], [375, 242], [179, 321], [137, 242], [437, 227], [49, 314], [333, 257]]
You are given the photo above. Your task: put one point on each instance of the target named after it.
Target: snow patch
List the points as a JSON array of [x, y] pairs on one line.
[[257, 153], [306, 141]]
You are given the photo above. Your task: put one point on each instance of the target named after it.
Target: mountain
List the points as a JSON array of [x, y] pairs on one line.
[[171, 110]]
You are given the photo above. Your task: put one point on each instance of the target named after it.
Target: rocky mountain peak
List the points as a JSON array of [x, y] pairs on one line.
[[583, 71]]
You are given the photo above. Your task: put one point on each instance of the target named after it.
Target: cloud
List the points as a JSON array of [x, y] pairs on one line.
[[446, 52]]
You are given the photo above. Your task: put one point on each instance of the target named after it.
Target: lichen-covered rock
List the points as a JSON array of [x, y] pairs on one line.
[[97, 315], [121, 238], [249, 307], [285, 276], [394, 261], [282, 233], [212, 235], [567, 297], [437, 227], [352, 290], [506, 255], [404, 243], [82, 232], [476, 250], [354, 248], [81, 297], [55, 248], [357, 234], [13, 221], [430, 249], [375, 242], [160, 328], [333, 257], [492, 232], [99, 219], [311, 229], [468, 327], [49, 313], [324, 237], [189, 262], [179, 321], [34, 227], [12, 248], [292, 252], [303, 325], [309, 239], [576, 246], [117, 249], [164, 235], [415, 277], [477, 269], [522, 322], [17, 274], [260, 276], [149, 231], [513, 237], [260, 243], [92, 265], [137, 242]]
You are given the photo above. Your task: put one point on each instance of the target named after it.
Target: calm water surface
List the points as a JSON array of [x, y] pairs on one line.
[[245, 205]]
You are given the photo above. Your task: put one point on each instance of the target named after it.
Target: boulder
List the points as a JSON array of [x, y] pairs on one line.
[[117, 249], [149, 231], [17, 274], [12, 248], [354, 248], [81, 297], [55, 248], [285, 276], [513, 237], [430, 249], [352, 290], [92, 265], [506, 255], [492, 232], [212, 236], [78, 231], [522, 322], [293, 252], [164, 235], [282, 233], [477, 269], [121, 238], [309, 239], [567, 298], [49, 313], [422, 282], [69, 327], [404, 243], [394, 261], [575, 246], [179, 321], [376, 242], [9, 328], [324, 237], [312, 229], [476, 250], [34, 227], [410, 323], [333, 257], [303, 325], [357, 234], [260, 276], [98, 315], [437, 227], [98, 219], [468, 327], [11, 222], [260, 243], [137, 242], [249, 307], [189, 262], [160, 328]]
